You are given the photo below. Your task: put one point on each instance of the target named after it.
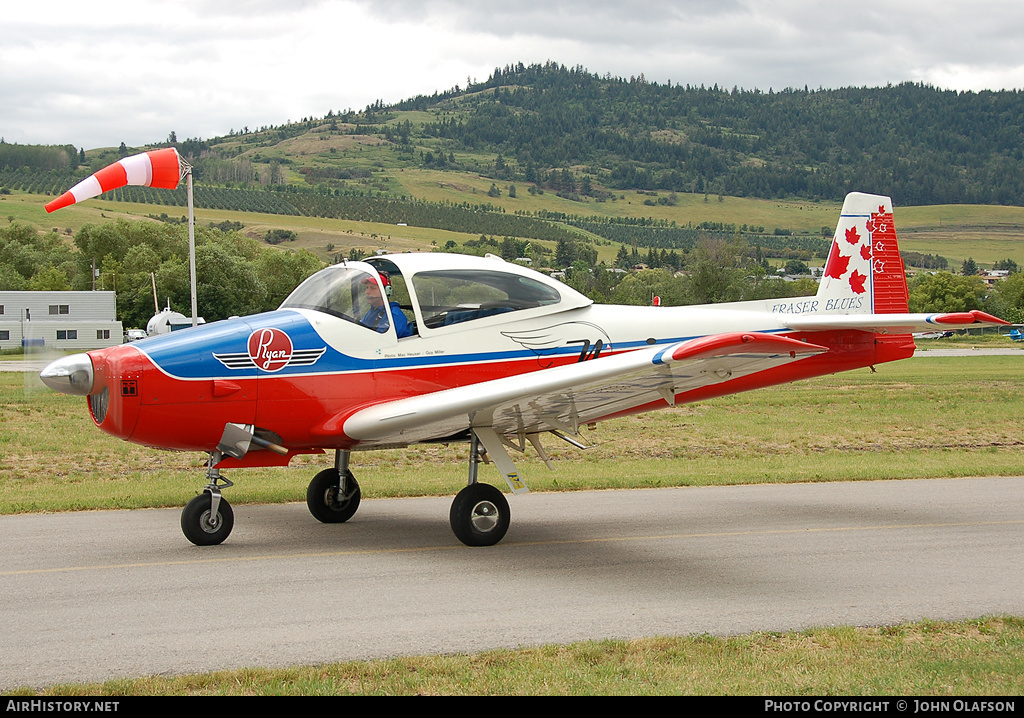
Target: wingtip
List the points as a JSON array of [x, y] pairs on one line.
[[974, 316], [985, 317]]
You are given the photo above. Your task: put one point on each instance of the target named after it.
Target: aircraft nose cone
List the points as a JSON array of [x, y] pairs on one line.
[[69, 375]]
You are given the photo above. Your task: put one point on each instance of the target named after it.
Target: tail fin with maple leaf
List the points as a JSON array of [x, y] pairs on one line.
[[864, 273], [864, 285]]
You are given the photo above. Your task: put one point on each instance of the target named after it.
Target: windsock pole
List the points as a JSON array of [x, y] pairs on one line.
[[187, 170]]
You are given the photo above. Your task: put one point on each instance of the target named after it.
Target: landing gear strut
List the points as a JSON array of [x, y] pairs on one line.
[[333, 494], [208, 519]]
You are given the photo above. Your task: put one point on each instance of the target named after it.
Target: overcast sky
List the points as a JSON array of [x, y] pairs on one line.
[[95, 74]]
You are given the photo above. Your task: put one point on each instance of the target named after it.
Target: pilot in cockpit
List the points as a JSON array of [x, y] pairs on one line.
[[377, 316]]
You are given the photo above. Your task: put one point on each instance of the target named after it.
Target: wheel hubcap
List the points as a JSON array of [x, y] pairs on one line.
[[484, 516], [334, 500], [208, 524]]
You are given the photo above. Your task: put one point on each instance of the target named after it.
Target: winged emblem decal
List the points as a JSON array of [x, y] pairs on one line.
[[547, 341]]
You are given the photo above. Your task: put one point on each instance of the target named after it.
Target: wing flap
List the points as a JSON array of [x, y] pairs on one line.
[[578, 393]]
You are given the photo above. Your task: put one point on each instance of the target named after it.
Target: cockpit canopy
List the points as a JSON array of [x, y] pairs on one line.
[[433, 290], [453, 296]]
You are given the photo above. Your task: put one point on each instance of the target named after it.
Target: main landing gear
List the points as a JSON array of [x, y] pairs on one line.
[[479, 515], [333, 494]]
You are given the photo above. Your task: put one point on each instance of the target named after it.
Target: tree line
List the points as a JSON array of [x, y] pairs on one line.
[[236, 275], [577, 133], [239, 275], [39, 157]]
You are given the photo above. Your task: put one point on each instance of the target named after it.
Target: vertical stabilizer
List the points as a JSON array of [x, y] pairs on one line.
[[864, 273]]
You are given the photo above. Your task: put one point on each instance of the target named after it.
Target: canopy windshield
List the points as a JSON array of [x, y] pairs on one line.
[[453, 296], [337, 291]]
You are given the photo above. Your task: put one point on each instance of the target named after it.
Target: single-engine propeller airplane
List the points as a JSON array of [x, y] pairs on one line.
[[409, 348]]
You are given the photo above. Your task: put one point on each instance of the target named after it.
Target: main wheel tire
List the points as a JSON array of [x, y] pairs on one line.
[[200, 527], [324, 502], [479, 515]]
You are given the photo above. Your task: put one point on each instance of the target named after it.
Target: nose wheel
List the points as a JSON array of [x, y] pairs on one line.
[[206, 525]]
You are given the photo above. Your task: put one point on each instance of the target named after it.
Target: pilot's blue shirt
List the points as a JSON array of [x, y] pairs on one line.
[[377, 319]]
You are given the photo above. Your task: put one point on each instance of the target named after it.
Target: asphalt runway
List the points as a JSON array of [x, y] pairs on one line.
[[92, 596]]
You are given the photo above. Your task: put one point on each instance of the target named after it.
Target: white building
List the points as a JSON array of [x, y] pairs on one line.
[[991, 276], [59, 320]]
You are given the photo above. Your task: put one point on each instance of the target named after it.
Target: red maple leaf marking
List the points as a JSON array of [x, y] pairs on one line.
[[865, 252], [851, 236], [837, 264], [857, 282]]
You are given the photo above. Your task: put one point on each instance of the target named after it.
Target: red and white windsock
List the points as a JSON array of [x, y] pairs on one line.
[[159, 168]]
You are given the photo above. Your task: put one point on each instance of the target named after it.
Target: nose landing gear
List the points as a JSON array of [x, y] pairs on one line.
[[208, 519]]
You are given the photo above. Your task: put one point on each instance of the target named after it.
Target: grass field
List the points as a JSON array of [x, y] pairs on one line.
[[983, 657], [925, 417]]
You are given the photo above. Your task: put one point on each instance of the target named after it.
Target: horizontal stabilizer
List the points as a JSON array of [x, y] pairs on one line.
[[893, 323]]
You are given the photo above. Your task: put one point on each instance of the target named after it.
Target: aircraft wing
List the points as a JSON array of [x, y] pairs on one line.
[[894, 323], [561, 398]]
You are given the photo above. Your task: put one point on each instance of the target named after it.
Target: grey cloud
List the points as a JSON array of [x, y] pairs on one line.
[[755, 43], [580, 20], [204, 66]]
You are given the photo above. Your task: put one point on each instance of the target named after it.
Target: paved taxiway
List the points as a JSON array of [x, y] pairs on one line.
[[98, 595]]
